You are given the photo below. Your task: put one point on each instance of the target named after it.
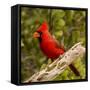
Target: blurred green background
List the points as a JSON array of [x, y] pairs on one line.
[[68, 26]]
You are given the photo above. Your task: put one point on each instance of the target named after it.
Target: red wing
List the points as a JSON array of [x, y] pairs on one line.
[[58, 45]]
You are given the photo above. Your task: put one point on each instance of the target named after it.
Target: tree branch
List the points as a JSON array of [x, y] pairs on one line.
[[59, 65]]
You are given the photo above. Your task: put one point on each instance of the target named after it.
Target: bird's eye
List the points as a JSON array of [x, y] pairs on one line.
[[39, 32]]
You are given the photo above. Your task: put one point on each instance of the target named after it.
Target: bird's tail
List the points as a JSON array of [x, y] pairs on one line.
[[75, 71]]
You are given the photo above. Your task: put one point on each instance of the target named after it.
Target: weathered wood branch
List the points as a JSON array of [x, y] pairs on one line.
[[59, 65]]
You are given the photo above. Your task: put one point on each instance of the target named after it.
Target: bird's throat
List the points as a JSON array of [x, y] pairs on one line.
[[40, 39]]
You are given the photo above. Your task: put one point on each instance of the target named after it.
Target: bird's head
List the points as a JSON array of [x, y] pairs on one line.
[[42, 29]]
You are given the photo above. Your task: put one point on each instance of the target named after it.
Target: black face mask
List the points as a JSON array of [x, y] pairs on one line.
[[39, 38]]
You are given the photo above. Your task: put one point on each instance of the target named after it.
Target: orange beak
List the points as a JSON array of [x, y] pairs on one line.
[[36, 35]]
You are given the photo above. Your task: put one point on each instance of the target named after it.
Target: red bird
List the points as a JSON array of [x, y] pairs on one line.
[[49, 45]]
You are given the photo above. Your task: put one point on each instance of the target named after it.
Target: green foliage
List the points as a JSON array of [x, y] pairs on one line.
[[68, 26]]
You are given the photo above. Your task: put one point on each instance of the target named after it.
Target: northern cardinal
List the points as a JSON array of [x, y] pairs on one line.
[[50, 46]]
